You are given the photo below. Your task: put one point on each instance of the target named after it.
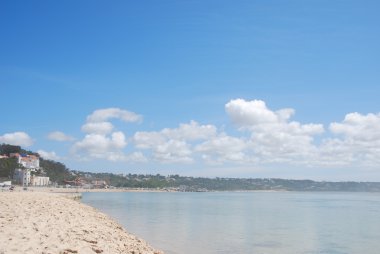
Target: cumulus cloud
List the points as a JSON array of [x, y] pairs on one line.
[[48, 155], [358, 127], [274, 138], [100, 146], [174, 145], [135, 157], [263, 136], [102, 115], [17, 138], [101, 141], [185, 132], [357, 141], [223, 148], [246, 114], [173, 151], [191, 131], [98, 127], [148, 140], [59, 136]]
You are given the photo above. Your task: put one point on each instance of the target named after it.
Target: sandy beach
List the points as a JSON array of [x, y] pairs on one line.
[[40, 222]]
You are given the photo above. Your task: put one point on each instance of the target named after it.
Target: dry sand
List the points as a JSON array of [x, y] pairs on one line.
[[38, 222]]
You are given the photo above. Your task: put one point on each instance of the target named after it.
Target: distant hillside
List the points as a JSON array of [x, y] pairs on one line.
[[57, 171], [181, 183]]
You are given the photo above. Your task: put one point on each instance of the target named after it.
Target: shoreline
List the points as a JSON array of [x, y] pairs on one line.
[[80, 190], [49, 222]]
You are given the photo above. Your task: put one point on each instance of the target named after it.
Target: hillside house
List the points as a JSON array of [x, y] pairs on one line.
[[24, 176]]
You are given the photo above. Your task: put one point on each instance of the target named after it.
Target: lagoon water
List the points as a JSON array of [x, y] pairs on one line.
[[248, 222]]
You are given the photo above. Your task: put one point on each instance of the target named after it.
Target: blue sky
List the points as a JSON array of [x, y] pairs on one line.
[[205, 88]]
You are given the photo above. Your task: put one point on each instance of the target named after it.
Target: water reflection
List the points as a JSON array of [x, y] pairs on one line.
[[256, 222]]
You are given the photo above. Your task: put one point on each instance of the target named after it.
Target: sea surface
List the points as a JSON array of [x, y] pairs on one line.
[[248, 222]]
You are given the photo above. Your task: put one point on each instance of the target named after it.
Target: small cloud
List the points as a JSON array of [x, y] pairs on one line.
[[102, 115], [17, 138], [48, 155], [248, 113], [59, 136]]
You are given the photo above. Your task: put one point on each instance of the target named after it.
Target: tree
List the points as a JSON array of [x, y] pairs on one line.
[[7, 149], [7, 167]]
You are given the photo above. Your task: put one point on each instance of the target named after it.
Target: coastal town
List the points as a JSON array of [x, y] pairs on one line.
[[22, 168], [29, 173]]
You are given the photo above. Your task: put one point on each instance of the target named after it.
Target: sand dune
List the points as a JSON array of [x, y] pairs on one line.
[[37, 222]]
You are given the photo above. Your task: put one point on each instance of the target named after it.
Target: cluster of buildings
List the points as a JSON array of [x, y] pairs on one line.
[[27, 174]]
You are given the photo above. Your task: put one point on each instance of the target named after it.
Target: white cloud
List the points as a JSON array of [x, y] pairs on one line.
[[101, 141], [48, 155], [250, 113], [274, 138], [173, 151], [185, 132], [174, 145], [358, 127], [264, 137], [98, 127], [100, 146], [223, 148], [190, 132], [59, 136], [358, 141], [102, 115], [135, 157], [148, 140], [17, 138]]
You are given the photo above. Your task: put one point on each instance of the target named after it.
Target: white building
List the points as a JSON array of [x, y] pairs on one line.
[[39, 181], [22, 176], [25, 178], [30, 163], [26, 160]]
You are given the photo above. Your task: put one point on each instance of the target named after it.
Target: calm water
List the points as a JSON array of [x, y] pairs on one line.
[[259, 222]]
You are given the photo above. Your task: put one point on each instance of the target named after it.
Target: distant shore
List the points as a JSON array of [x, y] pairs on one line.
[[81, 190], [37, 221]]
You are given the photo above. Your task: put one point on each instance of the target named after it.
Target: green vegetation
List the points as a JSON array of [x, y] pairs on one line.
[[57, 171], [8, 165], [6, 149], [7, 168], [181, 183]]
